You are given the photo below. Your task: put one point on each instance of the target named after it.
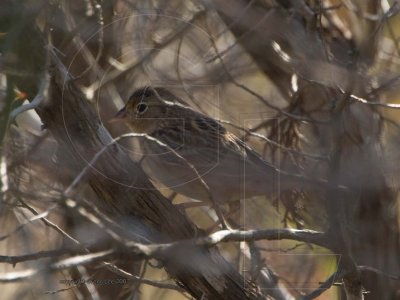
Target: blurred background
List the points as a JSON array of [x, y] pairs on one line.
[[311, 85]]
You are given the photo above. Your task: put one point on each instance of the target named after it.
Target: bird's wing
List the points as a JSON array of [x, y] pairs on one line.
[[204, 142]]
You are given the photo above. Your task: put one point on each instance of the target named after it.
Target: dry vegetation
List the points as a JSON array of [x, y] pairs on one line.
[[312, 85]]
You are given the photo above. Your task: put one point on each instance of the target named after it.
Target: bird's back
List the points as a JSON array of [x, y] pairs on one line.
[[202, 147]]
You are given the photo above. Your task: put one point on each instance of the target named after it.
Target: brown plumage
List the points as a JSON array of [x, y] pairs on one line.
[[230, 168]]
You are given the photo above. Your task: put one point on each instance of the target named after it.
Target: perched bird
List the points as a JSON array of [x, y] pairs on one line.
[[198, 146]]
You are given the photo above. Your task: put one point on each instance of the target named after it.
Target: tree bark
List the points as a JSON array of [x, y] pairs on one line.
[[143, 212]]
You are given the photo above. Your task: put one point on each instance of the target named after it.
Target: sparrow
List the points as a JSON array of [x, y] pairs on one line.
[[197, 156]]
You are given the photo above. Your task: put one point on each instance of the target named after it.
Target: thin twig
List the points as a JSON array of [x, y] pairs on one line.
[[379, 272], [132, 64], [159, 251], [250, 91], [26, 222], [85, 170], [34, 256], [59, 265], [364, 101], [272, 142], [100, 41], [49, 223], [41, 95], [324, 286]]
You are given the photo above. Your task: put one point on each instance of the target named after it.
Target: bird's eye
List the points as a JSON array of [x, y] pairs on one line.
[[141, 108]]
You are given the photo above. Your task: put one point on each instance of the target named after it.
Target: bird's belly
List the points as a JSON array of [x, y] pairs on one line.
[[181, 177], [225, 182]]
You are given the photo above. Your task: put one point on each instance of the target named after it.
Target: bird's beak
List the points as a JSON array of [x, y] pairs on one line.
[[119, 116]]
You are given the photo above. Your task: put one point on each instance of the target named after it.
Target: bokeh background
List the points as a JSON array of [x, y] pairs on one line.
[[311, 85]]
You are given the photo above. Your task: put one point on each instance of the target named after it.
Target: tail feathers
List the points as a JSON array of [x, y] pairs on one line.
[[290, 180]]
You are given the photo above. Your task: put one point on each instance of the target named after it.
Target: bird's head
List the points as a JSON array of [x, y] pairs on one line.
[[146, 108]]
